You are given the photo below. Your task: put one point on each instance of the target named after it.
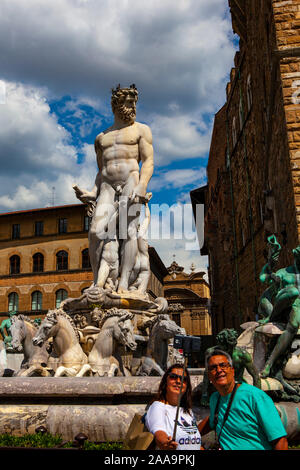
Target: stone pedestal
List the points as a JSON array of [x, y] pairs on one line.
[[102, 408]]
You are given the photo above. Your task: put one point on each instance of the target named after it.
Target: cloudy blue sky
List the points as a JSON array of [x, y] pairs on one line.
[[59, 61]]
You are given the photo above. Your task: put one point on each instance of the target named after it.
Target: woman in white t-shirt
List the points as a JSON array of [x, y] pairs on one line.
[[161, 415]]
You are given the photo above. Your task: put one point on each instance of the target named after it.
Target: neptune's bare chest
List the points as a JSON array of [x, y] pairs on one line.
[[123, 137]]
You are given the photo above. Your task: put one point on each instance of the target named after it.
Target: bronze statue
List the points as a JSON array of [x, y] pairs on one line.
[[281, 301], [227, 341], [5, 331]]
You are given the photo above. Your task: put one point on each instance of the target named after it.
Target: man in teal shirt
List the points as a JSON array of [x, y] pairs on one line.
[[252, 423]]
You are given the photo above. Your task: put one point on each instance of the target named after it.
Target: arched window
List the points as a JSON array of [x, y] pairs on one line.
[[13, 302], [62, 260], [36, 300], [61, 295], [85, 258], [14, 262], [38, 263]]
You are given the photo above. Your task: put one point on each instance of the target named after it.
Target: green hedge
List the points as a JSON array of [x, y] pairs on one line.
[[47, 440]]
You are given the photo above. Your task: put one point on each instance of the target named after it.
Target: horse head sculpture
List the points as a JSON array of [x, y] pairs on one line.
[[18, 333], [35, 359], [123, 331], [60, 326], [46, 329], [116, 328], [162, 328]]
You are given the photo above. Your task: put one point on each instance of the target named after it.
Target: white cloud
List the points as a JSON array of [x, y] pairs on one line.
[[178, 178], [176, 52], [178, 137], [36, 154], [174, 234], [31, 138]]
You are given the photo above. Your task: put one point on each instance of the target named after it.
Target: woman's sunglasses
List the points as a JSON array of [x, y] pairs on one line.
[[173, 376]]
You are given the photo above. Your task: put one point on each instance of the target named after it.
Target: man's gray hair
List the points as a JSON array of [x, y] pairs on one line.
[[217, 352]]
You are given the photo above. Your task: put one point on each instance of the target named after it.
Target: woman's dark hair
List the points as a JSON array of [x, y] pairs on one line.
[[186, 399]]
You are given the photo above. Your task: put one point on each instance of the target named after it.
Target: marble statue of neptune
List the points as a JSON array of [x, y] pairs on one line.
[[125, 161]]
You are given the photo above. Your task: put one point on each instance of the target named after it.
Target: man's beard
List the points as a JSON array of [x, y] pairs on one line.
[[126, 114]]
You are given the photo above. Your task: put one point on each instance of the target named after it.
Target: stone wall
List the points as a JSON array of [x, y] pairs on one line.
[[253, 169], [102, 408]]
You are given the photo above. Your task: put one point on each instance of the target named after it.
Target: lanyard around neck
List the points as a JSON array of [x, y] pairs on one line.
[[227, 410]]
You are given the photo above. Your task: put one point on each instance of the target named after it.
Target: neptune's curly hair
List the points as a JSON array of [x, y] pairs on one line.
[[118, 92]]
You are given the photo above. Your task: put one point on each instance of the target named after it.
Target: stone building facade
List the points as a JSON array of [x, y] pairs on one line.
[[188, 296], [253, 172], [44, 259]]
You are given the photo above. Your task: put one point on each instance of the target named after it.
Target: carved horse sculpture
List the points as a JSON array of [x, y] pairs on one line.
[[35, 359], [156, 359], [59, 326], [116, 329]]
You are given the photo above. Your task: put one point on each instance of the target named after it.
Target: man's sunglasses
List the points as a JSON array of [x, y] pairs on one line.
[[173, 376], [222, 365]]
